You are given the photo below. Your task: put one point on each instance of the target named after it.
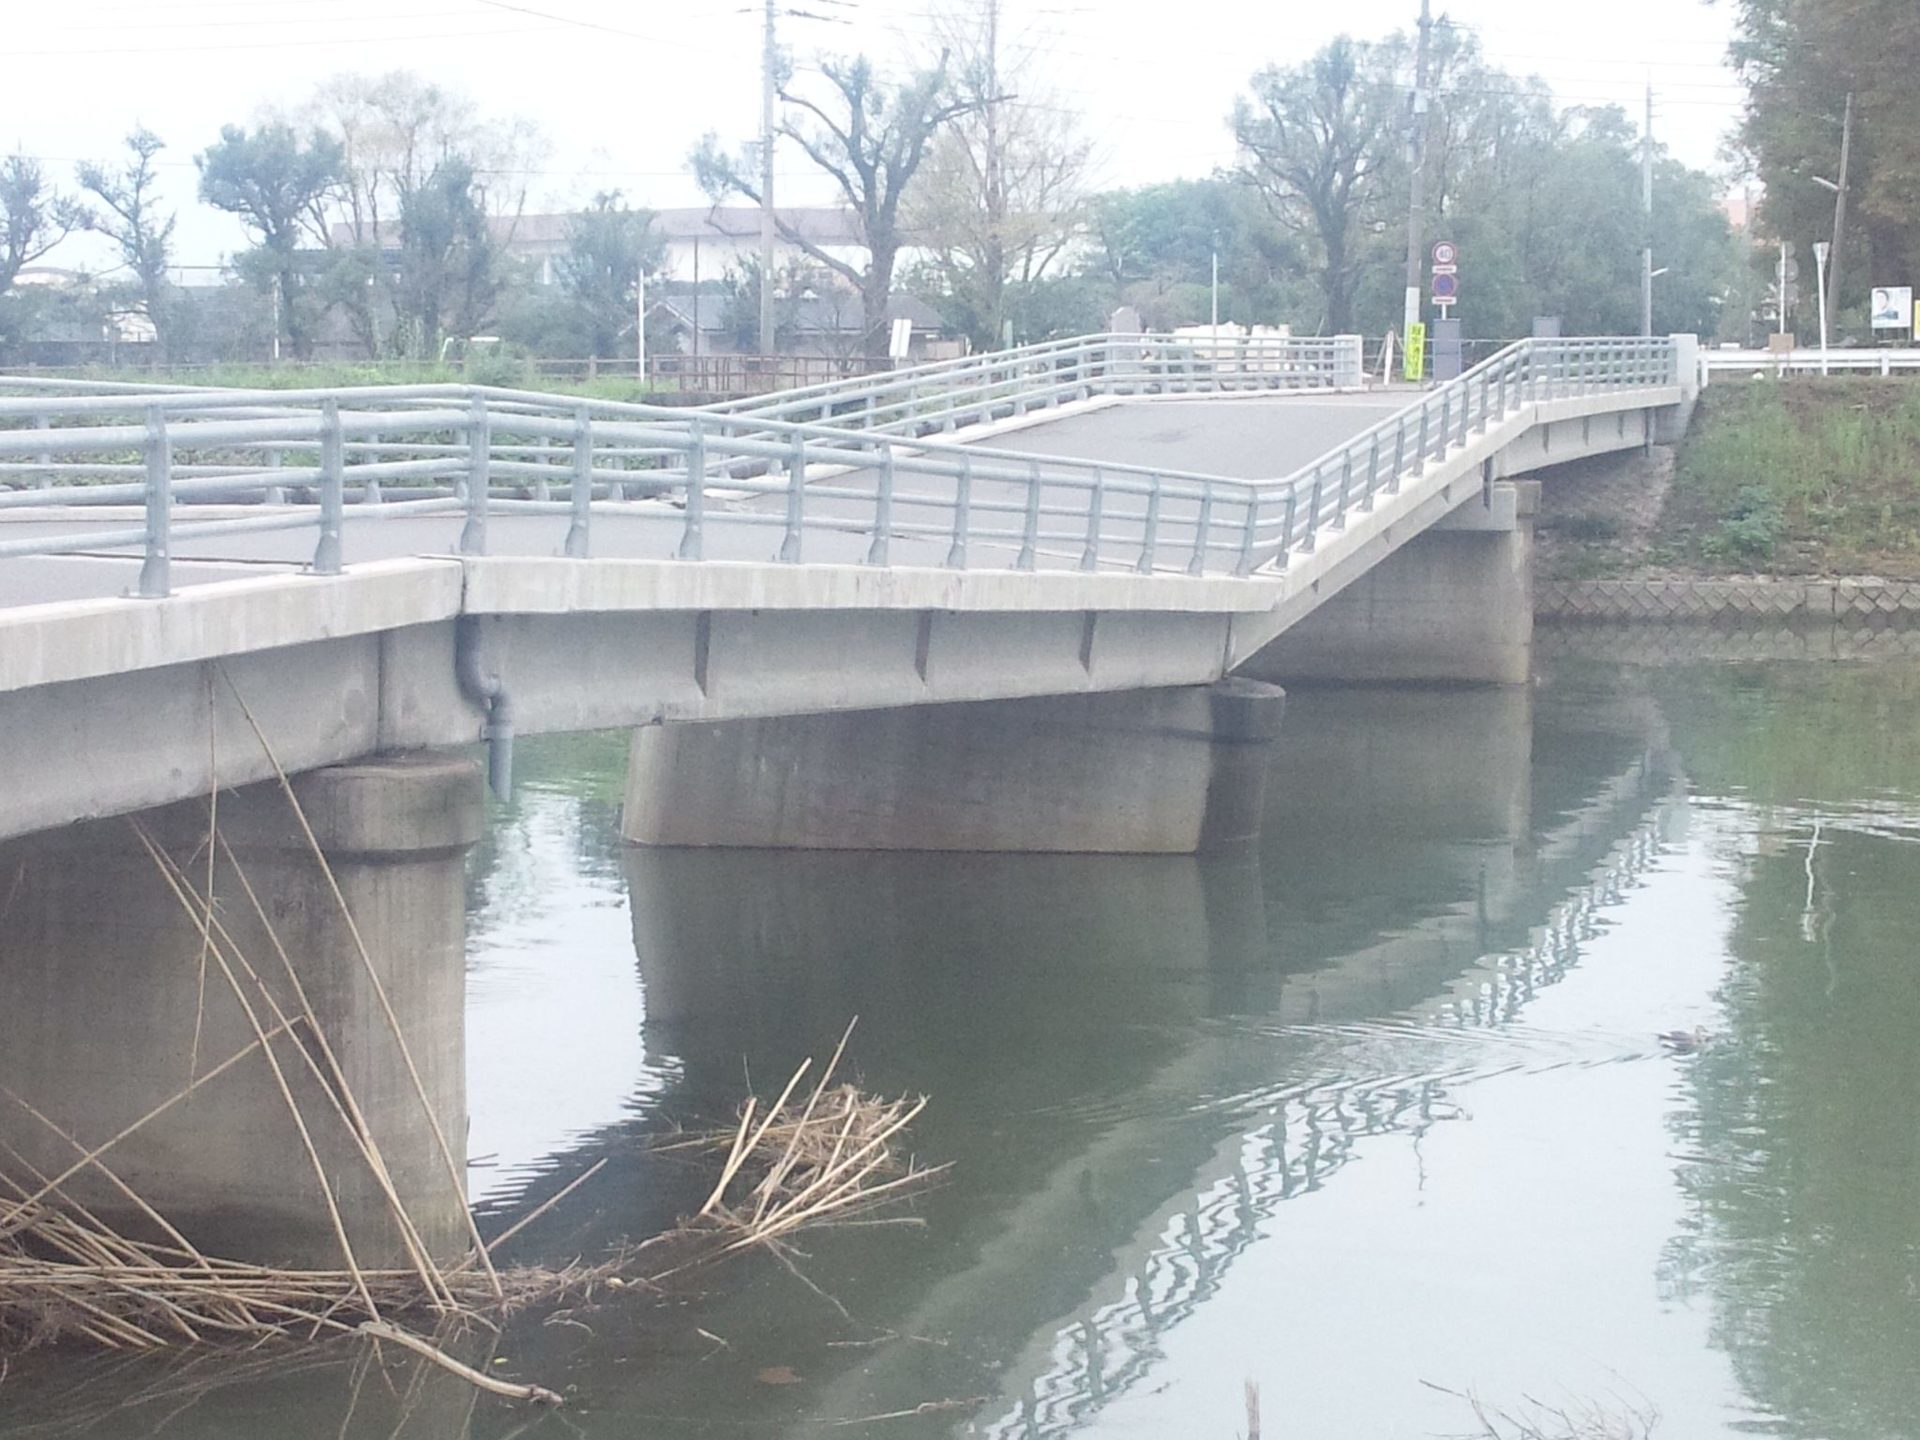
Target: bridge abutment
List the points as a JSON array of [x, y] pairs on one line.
[[1453, 605], [120, 993], [1168, 771]]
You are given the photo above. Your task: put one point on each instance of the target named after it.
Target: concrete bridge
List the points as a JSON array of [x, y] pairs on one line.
[[1031, 601]]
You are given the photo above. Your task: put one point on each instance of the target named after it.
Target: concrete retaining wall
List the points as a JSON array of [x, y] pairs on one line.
[[1735, 601]]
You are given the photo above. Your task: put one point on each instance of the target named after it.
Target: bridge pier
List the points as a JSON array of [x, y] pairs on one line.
[[1168, 771], [111, 1005], [1453, 605]]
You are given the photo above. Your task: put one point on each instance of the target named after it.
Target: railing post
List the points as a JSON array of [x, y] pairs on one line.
[[693, 532], [333, 490], [43, 422], [1399, 456], [1446, 424], [1286, 526], [581, 496], [1373, 471], [370, 487], [156, 568], [542, 492], [1308, 540], [1346, 485], [473, 536], [790, 548], [1197, 563], [1250, 533], [1425, 438], [882, 511], [1150, 536], [962, 514], [1030, 534], [1096, 507]]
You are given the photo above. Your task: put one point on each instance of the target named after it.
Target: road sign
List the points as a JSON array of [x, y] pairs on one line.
[[1445, 252], [1415, 368], [1446, 289], [1892, 307]]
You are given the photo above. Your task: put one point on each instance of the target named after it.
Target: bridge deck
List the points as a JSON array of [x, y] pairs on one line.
[[1250, 438]]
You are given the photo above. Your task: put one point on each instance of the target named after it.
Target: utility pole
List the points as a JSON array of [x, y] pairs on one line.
[[1646, 218], [996, 180], [1832, 293], [769, 60], [1781, 293], [1216, 297], [1416, 216]]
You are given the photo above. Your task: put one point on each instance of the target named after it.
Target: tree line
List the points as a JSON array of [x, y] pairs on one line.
[[390, 204], [1801, 64]]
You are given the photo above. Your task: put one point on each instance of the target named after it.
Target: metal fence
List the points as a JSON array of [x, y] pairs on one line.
[[1888, 361], [865, 463]]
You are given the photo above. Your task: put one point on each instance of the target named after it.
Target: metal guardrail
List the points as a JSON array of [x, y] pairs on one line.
[[1347, 478], [1003, 383], [323, 460], [1876, 361]]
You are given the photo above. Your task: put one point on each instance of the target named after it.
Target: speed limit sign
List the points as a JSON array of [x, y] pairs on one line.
[[1445, 253]]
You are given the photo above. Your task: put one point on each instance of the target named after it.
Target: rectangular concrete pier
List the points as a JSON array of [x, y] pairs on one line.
[[1143, 772]]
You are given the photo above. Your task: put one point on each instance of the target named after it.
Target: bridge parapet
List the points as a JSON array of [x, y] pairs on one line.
[[868, 478]]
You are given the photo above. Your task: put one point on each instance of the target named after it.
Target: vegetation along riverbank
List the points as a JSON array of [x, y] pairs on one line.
[[1804, 479]]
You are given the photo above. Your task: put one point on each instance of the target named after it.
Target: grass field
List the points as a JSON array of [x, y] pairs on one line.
[[1805, 477]]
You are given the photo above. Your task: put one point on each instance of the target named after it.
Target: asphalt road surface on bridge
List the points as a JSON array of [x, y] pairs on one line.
[[1247, 438]]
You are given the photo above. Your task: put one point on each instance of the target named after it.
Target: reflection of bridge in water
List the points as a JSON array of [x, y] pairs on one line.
[[1315, 1129], [1480, 908]]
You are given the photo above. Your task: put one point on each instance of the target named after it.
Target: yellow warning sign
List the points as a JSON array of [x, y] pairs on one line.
[[1416, 366]]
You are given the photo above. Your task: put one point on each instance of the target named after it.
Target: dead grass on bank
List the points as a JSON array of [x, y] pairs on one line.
[[819, 1154]]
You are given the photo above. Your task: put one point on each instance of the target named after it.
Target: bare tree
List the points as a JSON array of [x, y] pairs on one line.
[[401, 136], [870, 137], [1003, 194], [33, 217], [1311, 140], [135, 223]]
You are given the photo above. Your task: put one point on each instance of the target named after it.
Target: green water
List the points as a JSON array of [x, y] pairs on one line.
[[1370, 1119]]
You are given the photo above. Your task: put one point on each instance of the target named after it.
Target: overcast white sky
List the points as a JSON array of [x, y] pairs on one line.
[[624, 88]]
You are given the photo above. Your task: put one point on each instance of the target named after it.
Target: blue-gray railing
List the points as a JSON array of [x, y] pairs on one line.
[[329, 460]]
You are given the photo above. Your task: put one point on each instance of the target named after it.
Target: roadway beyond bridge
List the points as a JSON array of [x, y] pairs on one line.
[[1040, 600]]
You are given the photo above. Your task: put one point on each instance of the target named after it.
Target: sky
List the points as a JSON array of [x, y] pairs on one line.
[[623, 89]]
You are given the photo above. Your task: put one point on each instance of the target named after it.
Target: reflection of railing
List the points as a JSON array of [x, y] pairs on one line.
[[1315, 1130], [320, 459]]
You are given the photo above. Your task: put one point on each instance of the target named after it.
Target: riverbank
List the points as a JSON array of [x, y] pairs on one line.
[[1796, 500]]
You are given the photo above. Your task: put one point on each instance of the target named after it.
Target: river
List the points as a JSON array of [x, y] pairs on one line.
[[1372, 1119]]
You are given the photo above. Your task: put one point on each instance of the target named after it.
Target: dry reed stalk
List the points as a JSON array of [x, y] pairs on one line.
[[455, 1175], [338, 1094], [68, 1275]]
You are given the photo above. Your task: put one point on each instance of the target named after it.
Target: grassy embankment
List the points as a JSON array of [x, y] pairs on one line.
[[1801, 478]]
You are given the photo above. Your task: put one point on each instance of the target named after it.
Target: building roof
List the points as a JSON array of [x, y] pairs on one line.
[[836, 312], [821, 225]]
